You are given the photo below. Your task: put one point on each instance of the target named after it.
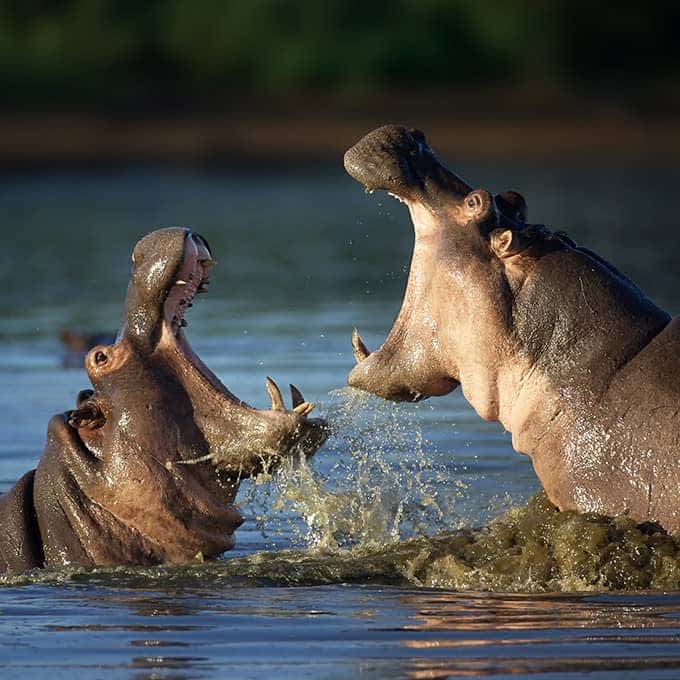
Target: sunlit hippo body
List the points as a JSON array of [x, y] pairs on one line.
[[543, 336], [146, 468]]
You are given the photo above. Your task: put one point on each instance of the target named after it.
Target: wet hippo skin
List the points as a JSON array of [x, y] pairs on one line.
[[542, 335], [145, 469]]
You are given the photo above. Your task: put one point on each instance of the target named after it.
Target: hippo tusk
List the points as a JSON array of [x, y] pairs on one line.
[[296, 396], [275, 395], [360, 350], [304, 409]]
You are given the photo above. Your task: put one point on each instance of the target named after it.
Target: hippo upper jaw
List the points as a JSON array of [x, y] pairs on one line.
[[399, 161]]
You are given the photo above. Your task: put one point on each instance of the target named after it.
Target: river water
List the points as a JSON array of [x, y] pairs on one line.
[[359, 588]]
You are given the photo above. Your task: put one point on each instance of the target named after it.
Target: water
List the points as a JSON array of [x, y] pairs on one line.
[[303, 257]]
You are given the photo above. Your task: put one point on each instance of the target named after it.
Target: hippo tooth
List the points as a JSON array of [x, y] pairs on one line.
[[304, 409], [358, 347], [179, 282], [275, 395], [296, 395]]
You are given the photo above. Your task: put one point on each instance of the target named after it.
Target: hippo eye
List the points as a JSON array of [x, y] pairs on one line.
[[100, 358]]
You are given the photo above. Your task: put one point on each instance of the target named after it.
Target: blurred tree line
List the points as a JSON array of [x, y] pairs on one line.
[[144, 53]]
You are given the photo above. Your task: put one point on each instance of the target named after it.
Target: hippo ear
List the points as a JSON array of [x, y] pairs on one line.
[[512, 205], [507, 242], [477, 206]]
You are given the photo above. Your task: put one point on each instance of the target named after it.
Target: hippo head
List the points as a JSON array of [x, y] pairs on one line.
[[489, 297], [160, 445], [456, 282]]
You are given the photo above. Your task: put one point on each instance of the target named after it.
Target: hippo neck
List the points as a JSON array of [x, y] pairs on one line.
[[577, 326]]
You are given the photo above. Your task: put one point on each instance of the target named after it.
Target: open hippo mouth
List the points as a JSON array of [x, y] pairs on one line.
[[152, 367], [452, 224], [409, 365], [193, 278], [252, 434]]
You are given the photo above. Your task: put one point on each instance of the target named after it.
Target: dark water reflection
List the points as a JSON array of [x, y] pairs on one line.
[[302, 258], [338, 632]]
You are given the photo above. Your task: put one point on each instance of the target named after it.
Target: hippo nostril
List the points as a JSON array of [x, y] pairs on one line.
[[100, 358]]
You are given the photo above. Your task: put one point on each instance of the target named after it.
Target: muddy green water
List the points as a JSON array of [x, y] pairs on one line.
[[413, 544]]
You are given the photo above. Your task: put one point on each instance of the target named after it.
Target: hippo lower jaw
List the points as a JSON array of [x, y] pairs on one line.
[[397, 375], [409, 366], [267, 436]]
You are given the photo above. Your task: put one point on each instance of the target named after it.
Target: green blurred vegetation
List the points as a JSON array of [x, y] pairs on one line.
[[132, 53]]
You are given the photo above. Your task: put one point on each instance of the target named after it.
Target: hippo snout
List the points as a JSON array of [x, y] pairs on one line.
[[387, 159], [397, 159]]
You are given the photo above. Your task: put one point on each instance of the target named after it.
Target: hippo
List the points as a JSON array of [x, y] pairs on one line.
[[144, 470], [542, 335]]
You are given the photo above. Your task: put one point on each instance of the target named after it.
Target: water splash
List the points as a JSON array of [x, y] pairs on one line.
[[534, 548], [374, 482]]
